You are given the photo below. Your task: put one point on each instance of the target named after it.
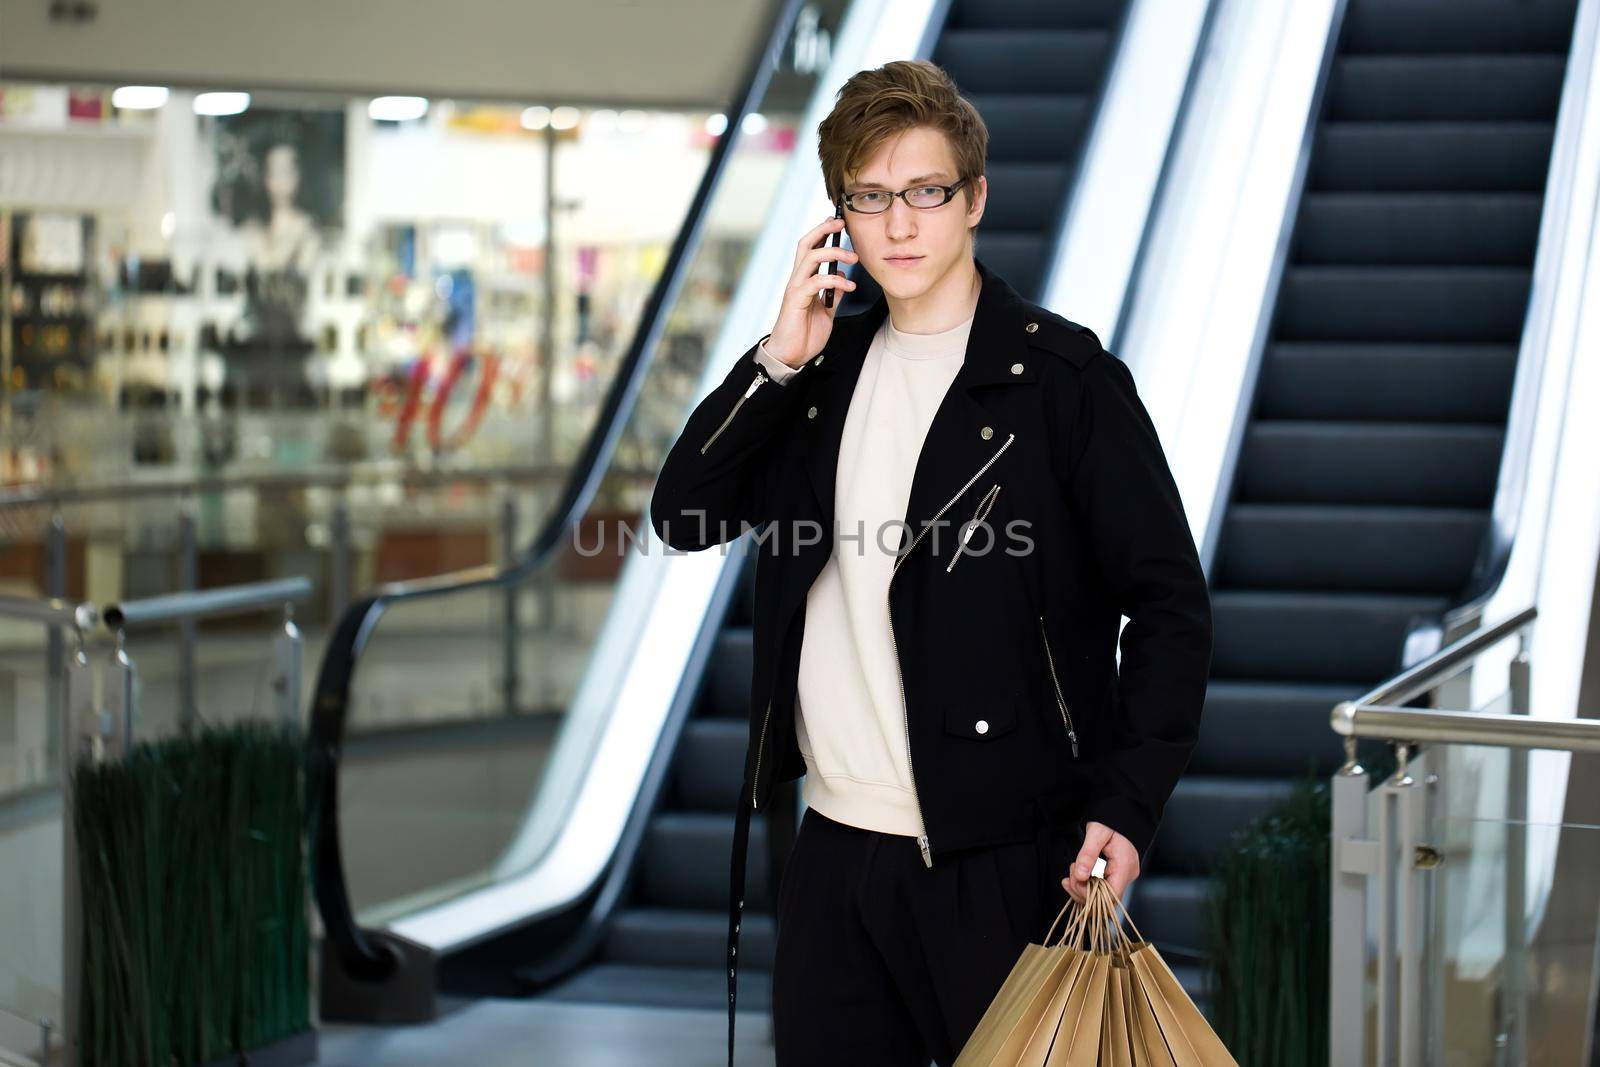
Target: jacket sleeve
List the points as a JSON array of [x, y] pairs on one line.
[[1125, 496], [712, 483]]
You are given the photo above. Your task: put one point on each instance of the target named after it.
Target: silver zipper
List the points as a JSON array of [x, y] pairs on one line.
[[977, 520], [755, 780], [1066, 715], [755, 383], [905, 715]]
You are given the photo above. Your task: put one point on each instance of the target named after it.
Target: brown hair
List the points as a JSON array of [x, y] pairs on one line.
[[875, 105]]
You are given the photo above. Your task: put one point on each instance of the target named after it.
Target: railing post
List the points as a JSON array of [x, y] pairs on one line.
[[188, 581], [55, 646], [511, 628], [1352, 863], [1513, 1006], [1413, 911], [122, 712], [77, 710], [289, 649], [339, 564], [1400, 917]]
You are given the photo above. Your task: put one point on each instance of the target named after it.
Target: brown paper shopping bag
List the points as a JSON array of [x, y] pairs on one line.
[[1173, 1031], [1053, 1015], [1021, 1008], [1077, 1039], [1116, 1038], [1096, 998]]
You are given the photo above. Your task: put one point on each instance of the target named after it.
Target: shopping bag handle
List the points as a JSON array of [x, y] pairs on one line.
[[1078, 918], [1116, 906]]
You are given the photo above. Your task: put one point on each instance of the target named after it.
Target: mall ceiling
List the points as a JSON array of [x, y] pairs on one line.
[[667, 53]]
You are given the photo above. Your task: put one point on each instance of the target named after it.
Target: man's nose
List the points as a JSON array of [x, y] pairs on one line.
[[902, 223]]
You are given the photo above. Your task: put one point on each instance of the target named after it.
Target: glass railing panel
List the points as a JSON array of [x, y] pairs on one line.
[[1510, 945], [30, 837], [474, 691], [31, 681], [232, 675], [1492, 919]]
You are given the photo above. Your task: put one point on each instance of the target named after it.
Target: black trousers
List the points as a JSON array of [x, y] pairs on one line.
[[881, 960]]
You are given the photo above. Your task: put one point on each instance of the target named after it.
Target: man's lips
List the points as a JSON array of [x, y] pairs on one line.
[[903, 260]]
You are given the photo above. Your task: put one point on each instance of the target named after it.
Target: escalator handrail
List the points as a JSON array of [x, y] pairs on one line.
[[362, 956], [1516, 458]]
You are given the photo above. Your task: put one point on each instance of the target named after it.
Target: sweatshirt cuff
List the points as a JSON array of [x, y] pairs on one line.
[[776, 369]]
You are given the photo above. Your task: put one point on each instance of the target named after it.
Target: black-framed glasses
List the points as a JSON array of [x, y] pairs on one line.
[[877, 201]]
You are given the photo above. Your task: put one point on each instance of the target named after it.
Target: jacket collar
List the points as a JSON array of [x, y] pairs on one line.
[[968, 428]]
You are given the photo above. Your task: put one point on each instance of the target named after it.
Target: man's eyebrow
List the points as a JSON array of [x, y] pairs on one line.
[[858, 186]]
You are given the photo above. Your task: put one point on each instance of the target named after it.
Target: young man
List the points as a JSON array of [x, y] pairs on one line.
[[959, 495]]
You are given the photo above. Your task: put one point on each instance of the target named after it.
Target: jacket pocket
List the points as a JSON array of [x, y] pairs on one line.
[[972, 524], [980, 723], [1055, 682]]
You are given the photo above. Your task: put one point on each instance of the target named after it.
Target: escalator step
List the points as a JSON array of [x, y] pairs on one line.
[[1203, 813], [709, 765], [1014, 14], [684, 862], [1030, 60], [678, 937], [1016, 255], [1506, 156], [1269, 728], [1418, 229], [1435, 87], [1323, 380], [1019, 188], [1313, 637], [1170, 911], [727, 681], [1432, 464], [1345, 547], [1037, 127], [1378, 303], [1458, 26]]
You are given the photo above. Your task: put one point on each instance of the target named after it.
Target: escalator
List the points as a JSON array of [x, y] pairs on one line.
[[1360, 504], [1035, 71]]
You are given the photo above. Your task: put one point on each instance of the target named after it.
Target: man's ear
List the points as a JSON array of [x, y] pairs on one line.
[[980, 200]]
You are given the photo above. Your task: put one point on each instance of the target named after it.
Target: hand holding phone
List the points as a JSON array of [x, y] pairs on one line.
[[804, 323]]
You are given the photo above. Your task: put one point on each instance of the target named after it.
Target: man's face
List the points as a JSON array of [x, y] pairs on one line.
[[907, 250]]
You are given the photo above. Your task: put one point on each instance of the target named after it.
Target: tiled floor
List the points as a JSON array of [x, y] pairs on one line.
[[501, 1033]]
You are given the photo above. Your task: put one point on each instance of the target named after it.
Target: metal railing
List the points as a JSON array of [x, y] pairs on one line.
[[90, 725], [1380, 855]]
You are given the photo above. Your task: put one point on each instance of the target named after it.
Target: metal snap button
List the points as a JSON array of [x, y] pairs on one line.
[[820, 355], [811, 414], [986, 433], [982, 726], [1016, 368], [1032, 327]]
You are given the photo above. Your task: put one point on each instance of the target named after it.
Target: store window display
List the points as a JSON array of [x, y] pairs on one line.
[[277, 194]]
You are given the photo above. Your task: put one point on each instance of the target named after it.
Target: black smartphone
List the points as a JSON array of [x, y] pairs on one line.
[[835, 240]]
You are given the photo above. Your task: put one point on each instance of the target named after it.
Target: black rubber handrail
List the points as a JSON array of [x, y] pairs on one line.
[[362, 956]]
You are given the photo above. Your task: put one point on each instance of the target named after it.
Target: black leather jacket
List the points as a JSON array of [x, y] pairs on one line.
[[1018, 719]]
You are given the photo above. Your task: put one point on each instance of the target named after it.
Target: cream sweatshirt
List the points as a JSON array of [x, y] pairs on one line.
[[849, 718]]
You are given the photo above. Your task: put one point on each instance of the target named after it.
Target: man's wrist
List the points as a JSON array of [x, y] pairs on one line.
[[776, 369]]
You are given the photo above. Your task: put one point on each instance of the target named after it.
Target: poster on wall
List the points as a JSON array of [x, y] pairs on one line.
[[277, 200]]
